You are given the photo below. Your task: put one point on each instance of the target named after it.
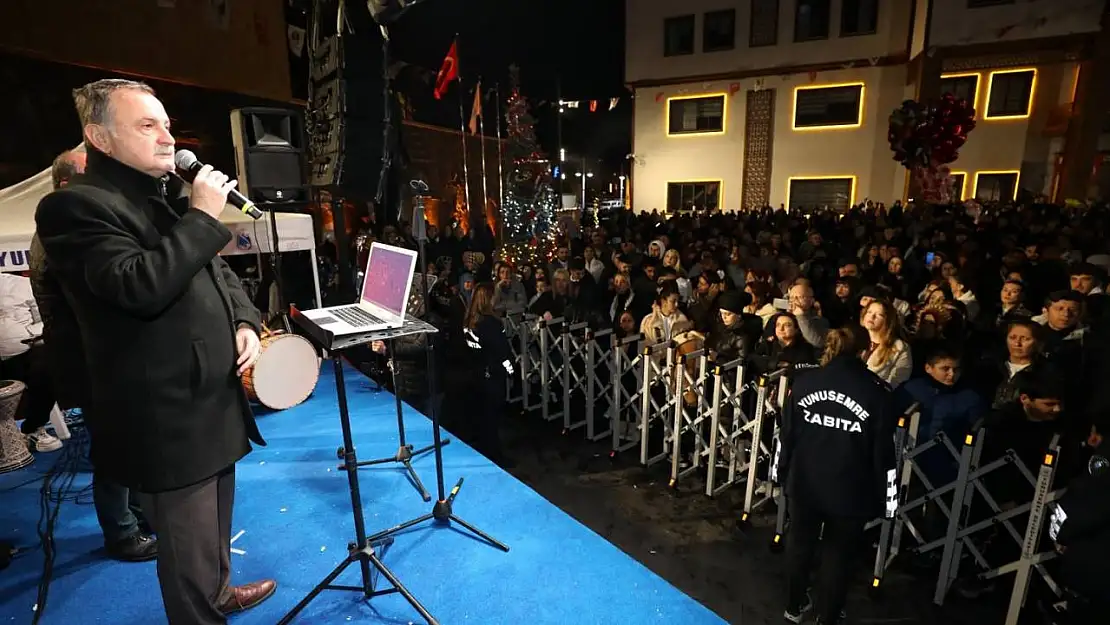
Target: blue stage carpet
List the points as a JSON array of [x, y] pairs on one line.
[[293, 509]]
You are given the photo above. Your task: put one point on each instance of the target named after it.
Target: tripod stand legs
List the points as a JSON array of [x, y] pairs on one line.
[[362, 549], [366, 557], [441, 513], [404, 455]]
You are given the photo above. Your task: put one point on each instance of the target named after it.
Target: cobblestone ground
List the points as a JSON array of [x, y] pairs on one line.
[[693, 542]]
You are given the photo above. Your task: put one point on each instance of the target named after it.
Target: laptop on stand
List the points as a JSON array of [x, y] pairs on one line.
[[384, 299]]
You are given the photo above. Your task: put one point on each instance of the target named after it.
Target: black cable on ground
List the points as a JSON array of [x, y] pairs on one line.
[[57, 488]]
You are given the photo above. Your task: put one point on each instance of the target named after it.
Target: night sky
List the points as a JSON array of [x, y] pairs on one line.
[[575, 47]]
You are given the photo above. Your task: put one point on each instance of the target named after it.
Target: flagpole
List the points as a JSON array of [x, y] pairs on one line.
[[482, 142], [500, 159], [462, 133]]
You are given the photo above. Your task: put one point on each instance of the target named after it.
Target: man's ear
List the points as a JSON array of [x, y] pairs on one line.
[[97, 136]]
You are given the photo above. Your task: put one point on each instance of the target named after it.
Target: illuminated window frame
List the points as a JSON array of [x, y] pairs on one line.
[[852, 195], [1028, 103], [720, 191], [963, 185], [978, 87], [708, 133], [1016, 173], [859, 115]]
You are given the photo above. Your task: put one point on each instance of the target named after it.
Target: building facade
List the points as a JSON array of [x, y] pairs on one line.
[[746, 103]]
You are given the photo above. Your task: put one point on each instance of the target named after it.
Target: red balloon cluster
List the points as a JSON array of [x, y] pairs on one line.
[[950, 121], [927, 137]]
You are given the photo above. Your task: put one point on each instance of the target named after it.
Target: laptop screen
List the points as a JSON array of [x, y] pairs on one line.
[[387, 279]]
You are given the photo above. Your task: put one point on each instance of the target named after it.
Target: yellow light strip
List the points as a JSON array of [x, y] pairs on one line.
[[859, 117], [720, 190], [978, 81], [1028, 103], [963, 183], [791, 179], [724, 115], [1016, 173]]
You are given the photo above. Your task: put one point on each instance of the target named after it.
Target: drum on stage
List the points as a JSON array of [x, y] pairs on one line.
[[14, 454], [286, 372], [688, 342]]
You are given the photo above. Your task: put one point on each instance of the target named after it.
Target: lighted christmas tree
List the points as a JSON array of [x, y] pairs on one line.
[[530, 201]]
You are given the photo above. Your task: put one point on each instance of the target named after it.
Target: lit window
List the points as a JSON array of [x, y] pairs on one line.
[[689, 196], [822, 107], [996, 186], [964, 87], [956, 185], [696, 115], [808, 194], [1010, 93]]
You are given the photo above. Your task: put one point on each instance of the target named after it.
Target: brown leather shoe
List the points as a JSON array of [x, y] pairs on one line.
[[247, 596]]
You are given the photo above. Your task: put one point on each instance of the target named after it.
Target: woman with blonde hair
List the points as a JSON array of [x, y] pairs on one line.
[[888, 355]]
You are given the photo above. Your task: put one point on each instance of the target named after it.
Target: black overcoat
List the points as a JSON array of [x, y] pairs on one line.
[[157, 310]]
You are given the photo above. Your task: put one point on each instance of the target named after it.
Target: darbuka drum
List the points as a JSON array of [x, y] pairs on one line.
[[285, 374], [688, 343], [13, 447]]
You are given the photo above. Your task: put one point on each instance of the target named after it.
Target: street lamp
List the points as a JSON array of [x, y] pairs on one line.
[[621, 178], [588, 175]]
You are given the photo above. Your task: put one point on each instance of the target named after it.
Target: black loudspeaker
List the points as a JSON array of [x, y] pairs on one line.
[[354, 117], [270, 154]]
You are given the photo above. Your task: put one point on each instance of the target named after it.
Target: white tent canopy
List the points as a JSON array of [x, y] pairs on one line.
[[17, 225]]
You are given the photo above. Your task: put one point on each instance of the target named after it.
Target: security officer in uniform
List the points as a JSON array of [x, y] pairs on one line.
[[837, 463]]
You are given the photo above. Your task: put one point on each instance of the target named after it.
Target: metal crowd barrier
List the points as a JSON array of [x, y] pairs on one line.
[[551, 365], [693, 410], [963, 538], [626, 404], [730, 429], [658, 396], [771, 391], [647, 396], [516, 330]]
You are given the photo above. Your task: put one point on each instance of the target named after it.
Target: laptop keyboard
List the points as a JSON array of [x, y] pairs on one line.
[[355, 316]]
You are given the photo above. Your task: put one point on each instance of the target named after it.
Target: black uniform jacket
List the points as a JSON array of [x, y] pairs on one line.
[[838, 440], [157, 311]]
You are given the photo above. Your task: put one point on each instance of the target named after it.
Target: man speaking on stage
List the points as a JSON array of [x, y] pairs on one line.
[[167, 331]]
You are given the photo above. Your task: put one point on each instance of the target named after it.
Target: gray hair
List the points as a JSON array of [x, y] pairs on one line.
[[92, 99], [63, 169]]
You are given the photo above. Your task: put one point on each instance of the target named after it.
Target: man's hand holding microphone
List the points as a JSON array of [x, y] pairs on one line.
[[210, 189]]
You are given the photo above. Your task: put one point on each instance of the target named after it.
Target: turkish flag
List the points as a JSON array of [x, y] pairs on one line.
[[448, 72]]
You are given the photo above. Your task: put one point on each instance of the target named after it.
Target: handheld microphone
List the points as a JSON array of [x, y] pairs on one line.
[[187, 162]]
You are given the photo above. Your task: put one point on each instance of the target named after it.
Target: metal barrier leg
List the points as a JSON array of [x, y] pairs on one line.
[[958, 495]]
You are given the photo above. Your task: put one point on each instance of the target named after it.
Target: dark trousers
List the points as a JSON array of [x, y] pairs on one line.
[[491, 412], [842, 538], [117, 509], [32, 367], [194, 544]]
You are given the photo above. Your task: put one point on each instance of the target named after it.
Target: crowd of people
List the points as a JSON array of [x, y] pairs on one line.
[[992, 318], [988, 318]]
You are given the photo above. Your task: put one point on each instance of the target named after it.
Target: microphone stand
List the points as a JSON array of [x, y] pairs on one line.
[[442, 511]]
